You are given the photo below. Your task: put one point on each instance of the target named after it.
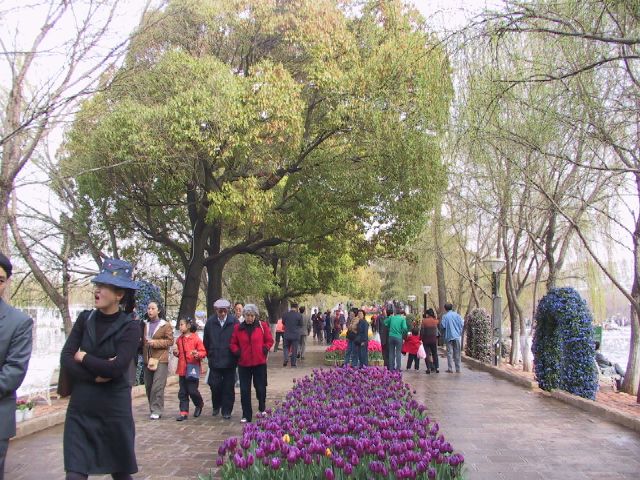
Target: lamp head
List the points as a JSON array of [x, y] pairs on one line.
[[494, 264]]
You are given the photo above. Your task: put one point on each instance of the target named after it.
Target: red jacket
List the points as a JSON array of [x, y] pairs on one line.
[[251, 350], [411, 344], [186, 345]]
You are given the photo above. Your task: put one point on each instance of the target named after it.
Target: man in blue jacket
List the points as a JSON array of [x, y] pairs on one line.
[[452, 324], [222, 363], [15, 351]]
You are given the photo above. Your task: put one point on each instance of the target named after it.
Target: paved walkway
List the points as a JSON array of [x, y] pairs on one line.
[[504, 432]]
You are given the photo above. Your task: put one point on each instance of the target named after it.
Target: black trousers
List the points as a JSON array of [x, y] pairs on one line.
[[413, 358], [189, 389], [432, 351], [223, 394], [258, 374], [4, 445]]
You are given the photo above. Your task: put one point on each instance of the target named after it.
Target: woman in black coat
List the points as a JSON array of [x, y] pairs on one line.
[[99, 432]]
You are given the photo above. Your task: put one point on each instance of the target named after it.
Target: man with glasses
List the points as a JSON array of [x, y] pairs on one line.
[[222, 363]]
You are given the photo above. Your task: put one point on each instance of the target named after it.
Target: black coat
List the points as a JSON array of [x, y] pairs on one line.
[[217, 341], [99, 431]]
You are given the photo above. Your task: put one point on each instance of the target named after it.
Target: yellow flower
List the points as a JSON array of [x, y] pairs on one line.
[[327, 452], [285, 438]]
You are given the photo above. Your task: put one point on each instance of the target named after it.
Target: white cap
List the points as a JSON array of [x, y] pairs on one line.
[[222, 303]]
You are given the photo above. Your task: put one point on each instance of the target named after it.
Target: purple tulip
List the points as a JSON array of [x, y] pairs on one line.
[[328, 474], [275, 463]]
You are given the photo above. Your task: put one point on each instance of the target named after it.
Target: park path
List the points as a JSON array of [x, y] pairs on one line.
[[504, 432]]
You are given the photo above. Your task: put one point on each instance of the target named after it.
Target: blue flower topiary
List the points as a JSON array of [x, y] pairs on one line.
[[146, 293], [563, 345]]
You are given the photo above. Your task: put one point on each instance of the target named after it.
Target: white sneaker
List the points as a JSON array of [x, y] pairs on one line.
[[154, 416], [244, 420]]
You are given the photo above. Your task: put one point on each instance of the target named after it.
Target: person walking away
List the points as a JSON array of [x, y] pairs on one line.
[[429, 337], [351, 356], [337, 325], [190, 353], [304, 331], [279, 334], [328, 327], [158, 337], [452, 324], [397, 325], [292, 321], [251, 342], [99, 430], [362, 339], [15, 352], [410, 346], [383, 331], [222, 363]]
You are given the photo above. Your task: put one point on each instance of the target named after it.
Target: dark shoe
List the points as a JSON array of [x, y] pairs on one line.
[[294, 366], [428, 372], [181, 418], [226, 416], [298, 356], [285, 364], [216, 411], [437, 371], [197, 412]]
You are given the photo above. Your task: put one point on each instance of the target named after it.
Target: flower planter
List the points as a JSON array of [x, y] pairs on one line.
[[19, 415], [329, 363], [28, 414]]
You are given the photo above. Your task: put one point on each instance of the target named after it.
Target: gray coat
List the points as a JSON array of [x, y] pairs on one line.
[[15, 351]]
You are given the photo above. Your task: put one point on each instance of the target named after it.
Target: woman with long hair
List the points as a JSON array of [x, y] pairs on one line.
[[99, 432]]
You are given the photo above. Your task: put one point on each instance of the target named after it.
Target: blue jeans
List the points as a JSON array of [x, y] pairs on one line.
[[363, 354], [395, 353], [351, 355]]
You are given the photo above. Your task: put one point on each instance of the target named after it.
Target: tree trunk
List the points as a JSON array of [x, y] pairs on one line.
[[440, 279], [189, 300], [214, 287], [632, 376]]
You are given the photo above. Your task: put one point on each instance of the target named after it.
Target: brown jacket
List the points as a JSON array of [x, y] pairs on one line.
[[158, 345]]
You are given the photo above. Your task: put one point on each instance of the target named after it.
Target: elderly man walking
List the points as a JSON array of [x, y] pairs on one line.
[[222, 362], [15, 351], [292, 321], [452, 323]]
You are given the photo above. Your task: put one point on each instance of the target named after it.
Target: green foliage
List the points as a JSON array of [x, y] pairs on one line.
[[479, 335], [282, 121]]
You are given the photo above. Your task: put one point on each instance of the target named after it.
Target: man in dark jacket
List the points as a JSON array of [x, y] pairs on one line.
[[292, 321], [222, 362], [15, 351]]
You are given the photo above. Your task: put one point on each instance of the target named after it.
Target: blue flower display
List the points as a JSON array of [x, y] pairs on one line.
[[147, 293], [563, 346]]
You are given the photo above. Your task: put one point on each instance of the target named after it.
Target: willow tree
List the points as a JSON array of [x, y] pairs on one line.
[[239, 126], [594, 58]]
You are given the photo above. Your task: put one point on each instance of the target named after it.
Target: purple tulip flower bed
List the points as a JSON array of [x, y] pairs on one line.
[[343, 423]]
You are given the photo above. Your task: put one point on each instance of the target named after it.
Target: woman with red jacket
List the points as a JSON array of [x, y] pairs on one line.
[[190, 352], [251, 341]]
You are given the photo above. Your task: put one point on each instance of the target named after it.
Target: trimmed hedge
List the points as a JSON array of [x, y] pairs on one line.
[[479, 332], [563, 345]]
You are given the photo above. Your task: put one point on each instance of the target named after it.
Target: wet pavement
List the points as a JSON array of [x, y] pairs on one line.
[[503, 430]]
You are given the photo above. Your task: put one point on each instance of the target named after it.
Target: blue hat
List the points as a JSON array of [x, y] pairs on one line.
[[117, 273]]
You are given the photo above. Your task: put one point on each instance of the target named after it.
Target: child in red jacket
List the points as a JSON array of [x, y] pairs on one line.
[[190, 352], [411, 346]]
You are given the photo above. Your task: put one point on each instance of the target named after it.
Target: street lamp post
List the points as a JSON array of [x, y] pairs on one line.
[[496, 265], [425, 290], [412, 299]]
